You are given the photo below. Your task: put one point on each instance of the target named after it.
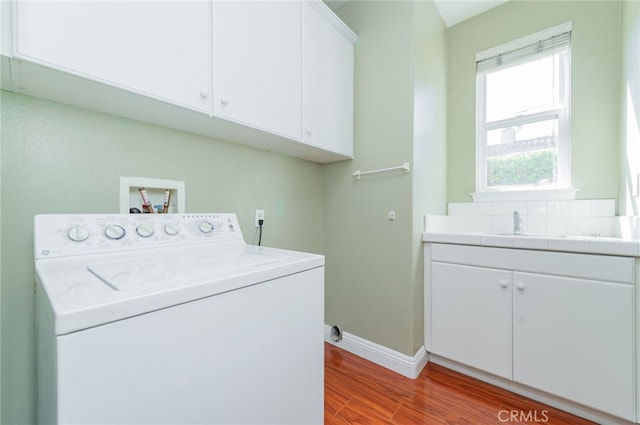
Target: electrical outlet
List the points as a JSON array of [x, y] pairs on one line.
[[259, 216]]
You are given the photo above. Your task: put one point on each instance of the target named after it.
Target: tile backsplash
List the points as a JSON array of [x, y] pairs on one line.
[[575, 208], [574, 217]]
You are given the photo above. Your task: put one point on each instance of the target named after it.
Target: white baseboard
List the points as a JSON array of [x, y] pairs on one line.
[[379, 354]]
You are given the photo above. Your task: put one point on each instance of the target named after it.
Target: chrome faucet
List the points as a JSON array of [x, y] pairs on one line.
[[517, 223]]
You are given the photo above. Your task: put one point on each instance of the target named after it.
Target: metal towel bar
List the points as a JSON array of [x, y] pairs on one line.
[[404, 168]]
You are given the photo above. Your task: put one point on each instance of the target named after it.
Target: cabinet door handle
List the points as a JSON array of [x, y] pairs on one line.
[[204, 93], [224, 101], [520, 286], [504, 284]]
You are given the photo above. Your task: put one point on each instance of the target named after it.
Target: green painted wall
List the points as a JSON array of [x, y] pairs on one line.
[[61, 159], [374, 274], [595, 87], [411, 74], [630, 109], [429, 172]]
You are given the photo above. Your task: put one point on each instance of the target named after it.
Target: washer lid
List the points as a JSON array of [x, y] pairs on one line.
[[131, 274]]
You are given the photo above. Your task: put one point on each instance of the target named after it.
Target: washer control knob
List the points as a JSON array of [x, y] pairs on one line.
[[206, 227], [171, 229], [114, 231], [145, 230], [78, 233]]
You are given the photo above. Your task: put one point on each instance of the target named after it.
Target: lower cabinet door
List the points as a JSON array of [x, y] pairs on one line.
[[574, 338], [471, 316]]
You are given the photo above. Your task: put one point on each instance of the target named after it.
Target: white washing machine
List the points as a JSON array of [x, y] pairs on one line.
[[174, 319]]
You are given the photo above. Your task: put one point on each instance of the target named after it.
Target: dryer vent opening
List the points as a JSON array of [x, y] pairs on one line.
[[336, 333]]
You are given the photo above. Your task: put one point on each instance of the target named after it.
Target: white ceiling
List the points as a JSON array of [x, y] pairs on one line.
[[452, 11], [455, 11]]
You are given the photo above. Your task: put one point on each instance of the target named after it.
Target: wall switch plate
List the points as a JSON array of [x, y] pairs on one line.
[[259, 216]]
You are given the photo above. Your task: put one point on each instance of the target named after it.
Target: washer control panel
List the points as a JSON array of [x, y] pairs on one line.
[[59, 235]]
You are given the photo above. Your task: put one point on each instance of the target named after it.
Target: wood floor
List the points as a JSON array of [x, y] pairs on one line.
[[360, 392]]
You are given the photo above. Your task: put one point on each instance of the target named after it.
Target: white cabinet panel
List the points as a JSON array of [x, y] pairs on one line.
[[573, 338], [471, 316], [238, 64], [161, 49], [257, 74], [6, 26], [569, 335], [327, 72]]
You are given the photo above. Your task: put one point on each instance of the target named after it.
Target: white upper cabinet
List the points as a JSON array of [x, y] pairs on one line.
[[327, 75], [6, 36], [160, 49], [255, 72], [257, 64]]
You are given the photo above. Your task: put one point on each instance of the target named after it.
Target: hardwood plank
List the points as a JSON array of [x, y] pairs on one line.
[[333, 399], [410, 415], [334, 420], [356, 412], [360, 392], [380, 402]]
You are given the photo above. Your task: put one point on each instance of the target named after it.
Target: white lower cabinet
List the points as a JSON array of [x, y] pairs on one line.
[[574, 338], [568, 336], [470, 316]]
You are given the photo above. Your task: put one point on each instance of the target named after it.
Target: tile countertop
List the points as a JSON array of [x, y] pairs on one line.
[[571, 243]]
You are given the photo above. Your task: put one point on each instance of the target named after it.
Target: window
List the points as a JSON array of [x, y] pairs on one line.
[[523, 113]]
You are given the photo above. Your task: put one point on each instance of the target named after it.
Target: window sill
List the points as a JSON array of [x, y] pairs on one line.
[[525, 195]]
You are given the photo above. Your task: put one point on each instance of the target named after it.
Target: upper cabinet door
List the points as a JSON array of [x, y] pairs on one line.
[[327, 72], [257, 64], [161, 49]]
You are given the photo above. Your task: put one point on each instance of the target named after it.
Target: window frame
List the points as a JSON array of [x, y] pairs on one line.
[[562, 187]]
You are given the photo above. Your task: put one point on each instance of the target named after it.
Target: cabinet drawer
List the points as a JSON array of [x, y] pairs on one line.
[[587, 266]]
